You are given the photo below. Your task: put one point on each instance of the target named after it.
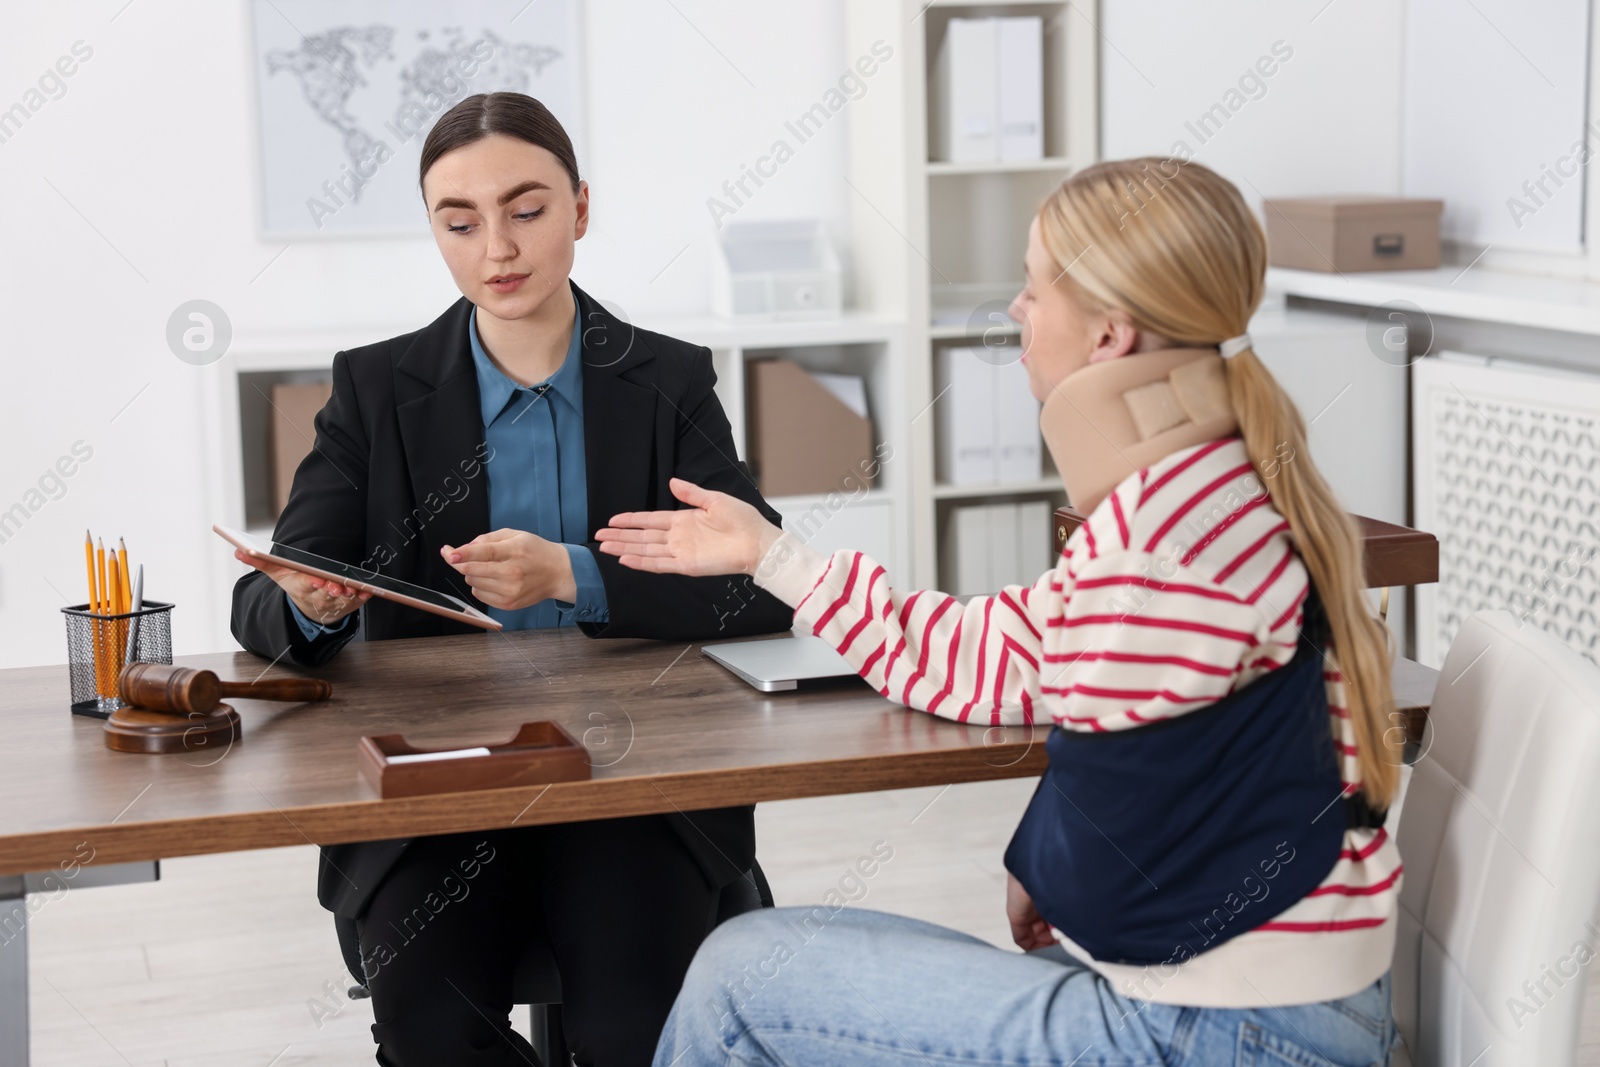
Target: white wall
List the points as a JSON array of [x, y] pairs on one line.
[[1494, 149], [1326, 121], [135, 191]]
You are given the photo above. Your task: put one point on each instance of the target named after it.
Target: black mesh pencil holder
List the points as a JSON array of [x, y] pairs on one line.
[[97, 650]]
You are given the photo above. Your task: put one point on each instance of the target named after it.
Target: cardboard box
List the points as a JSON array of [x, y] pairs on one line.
[[293, 409], [801, 438], [1353, 233]]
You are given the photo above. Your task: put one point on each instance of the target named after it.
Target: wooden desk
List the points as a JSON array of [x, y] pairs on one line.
[[1397, 555], [666, 729]]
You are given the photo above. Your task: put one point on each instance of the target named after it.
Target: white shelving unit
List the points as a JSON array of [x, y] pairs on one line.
[[949, 237]]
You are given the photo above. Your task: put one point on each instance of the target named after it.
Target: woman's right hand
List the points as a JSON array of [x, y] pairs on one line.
[[715, 534], [321, 600], [1028, 928]]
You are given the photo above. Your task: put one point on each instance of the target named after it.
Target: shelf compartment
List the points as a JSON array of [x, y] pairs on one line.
[[1056, 84], [978, 226], [868, 361], [256, 439]]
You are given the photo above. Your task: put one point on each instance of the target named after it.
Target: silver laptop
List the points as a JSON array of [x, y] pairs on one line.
[[798, 662]]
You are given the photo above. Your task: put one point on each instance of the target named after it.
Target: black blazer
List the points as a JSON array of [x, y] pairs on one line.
[[398, 470]]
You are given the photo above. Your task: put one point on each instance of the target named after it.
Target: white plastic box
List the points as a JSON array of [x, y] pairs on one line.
[[775, 269]]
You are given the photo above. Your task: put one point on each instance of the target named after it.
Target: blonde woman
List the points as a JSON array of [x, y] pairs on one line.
[[1202, 876]]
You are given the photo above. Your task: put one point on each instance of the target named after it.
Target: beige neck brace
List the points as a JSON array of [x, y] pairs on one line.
[[1107, 420]]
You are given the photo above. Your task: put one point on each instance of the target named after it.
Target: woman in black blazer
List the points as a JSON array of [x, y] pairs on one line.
[[399, 480]]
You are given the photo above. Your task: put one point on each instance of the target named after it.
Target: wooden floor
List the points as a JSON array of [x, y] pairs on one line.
[[228, 961]]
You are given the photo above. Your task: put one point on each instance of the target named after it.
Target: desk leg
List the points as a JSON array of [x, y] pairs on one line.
[[13, 972], [14, 889]]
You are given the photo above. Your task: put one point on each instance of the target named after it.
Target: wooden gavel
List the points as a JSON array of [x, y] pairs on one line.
[[164, 687]]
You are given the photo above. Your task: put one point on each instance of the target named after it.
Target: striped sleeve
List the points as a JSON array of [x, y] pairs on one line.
[[977, 662], [1138, 641]]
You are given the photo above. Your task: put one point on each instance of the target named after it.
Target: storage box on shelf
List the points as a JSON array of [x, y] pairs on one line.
[[853, 481], [1353, 233], [782, 268]]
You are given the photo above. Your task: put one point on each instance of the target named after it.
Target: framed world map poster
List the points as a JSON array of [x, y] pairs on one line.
[[348, 90]]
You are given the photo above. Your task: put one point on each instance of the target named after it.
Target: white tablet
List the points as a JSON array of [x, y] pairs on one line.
[[379, 585]]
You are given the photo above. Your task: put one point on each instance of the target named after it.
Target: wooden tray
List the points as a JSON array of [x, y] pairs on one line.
[[540, 752]]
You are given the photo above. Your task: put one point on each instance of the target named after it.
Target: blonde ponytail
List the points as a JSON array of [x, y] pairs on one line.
[[1330, 546], [1174, 245]]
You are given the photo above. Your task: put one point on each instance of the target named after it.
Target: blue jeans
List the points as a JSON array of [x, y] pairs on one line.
[[810, 986]]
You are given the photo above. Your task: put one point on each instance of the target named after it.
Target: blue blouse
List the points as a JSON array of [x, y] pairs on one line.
[[538, 479]]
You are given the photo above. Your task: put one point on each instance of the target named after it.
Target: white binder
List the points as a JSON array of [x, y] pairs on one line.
[[1035, 536], [966, 413], [966, 98], [966, 551], [1019, 67], [1016, 426], [1005, 562]]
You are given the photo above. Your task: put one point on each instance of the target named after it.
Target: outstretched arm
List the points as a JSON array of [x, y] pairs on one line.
[[977, 662], [708, 605]]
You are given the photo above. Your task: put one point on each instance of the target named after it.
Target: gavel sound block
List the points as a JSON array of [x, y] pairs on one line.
[[180, 709]]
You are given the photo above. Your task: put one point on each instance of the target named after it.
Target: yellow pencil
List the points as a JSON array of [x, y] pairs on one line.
[[101, 655], [114, 626], [94, 609], [127, 583], [100, 557], [88, 559]]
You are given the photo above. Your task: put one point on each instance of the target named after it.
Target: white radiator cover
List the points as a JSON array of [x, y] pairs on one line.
[[1506, 471]]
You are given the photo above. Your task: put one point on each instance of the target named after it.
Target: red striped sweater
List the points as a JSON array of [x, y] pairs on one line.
[[1181, 586]]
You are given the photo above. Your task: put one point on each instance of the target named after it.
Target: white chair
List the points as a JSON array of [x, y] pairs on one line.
[[1500, 836]]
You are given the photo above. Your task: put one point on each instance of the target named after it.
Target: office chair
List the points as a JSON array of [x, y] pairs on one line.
[[536, 982], [1498, 831]]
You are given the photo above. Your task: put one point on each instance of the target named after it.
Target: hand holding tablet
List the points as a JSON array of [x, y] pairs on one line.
[[321, 599], [348, 586]]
